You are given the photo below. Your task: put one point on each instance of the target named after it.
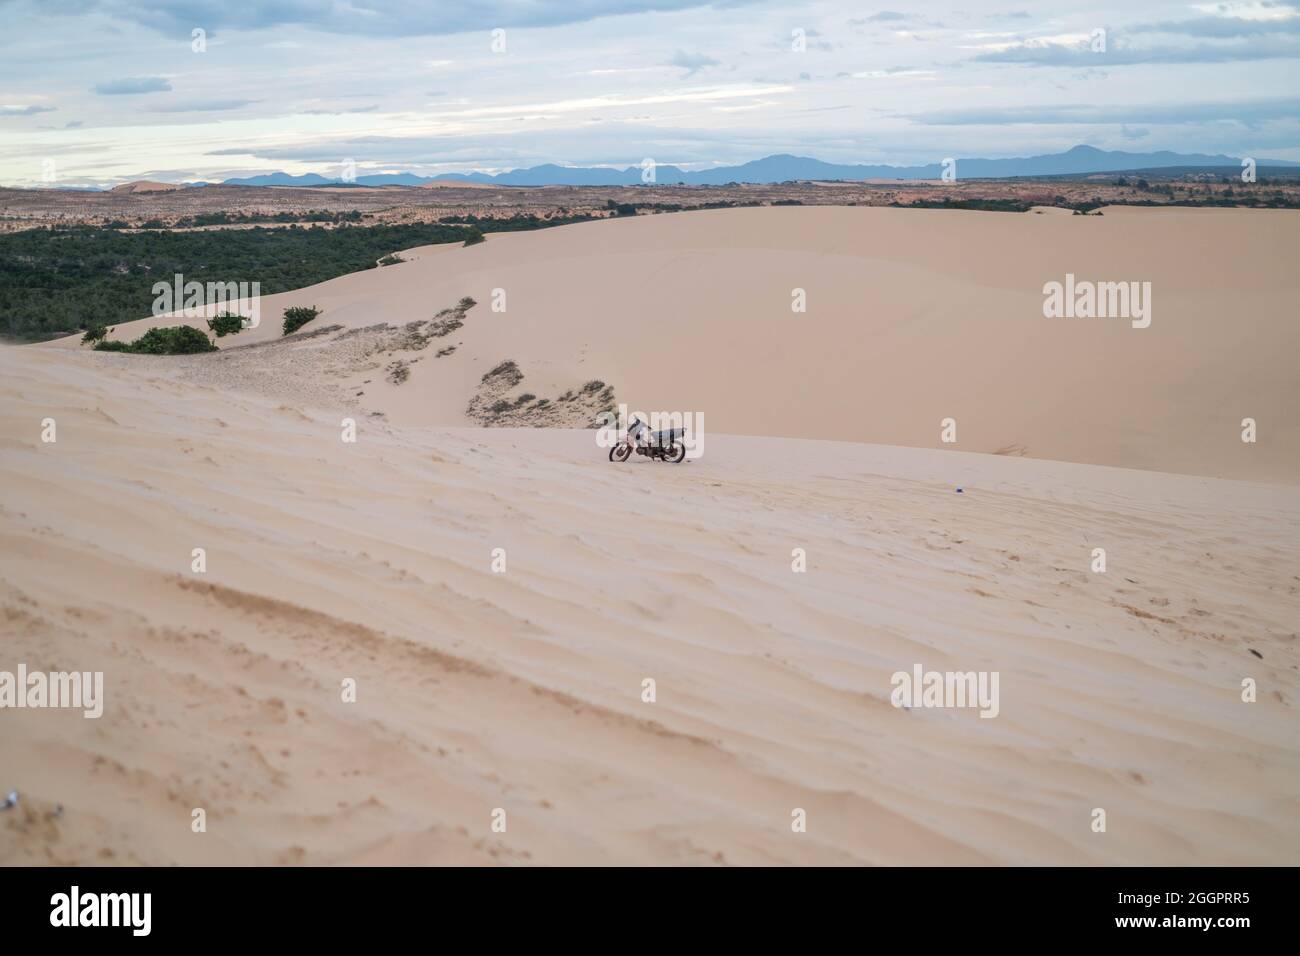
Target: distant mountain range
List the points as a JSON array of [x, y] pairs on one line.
[[782, 168]]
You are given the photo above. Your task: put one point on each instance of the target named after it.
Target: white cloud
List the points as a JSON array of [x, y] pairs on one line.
[[299, 84], [890, 74], [1253, 10]]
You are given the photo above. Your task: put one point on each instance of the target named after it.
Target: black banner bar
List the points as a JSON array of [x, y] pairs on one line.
[[220, 905]]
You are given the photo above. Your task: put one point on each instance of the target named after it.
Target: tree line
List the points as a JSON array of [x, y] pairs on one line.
[[60, 280]]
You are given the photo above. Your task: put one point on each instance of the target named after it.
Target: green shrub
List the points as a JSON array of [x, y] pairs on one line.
[[296, 316], [475, 238], [95, 333], [170, 340], [227, 323]]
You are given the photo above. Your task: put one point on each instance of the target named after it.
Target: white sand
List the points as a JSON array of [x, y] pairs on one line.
[[522, 690], [913, 316]]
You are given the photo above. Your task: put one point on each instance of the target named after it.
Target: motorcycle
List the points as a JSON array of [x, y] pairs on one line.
[[668, 444]]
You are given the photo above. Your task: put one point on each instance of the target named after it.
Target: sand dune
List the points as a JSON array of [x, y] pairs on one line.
[[522, 690], [913, 316], [145, 186]]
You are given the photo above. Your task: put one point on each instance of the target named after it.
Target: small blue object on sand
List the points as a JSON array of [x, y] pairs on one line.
[[959, 491], [10, 801]]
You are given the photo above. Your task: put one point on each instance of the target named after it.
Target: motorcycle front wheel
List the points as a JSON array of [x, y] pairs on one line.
[[620, 452]]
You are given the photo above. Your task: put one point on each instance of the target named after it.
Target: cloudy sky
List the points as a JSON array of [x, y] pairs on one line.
[[102, 91]]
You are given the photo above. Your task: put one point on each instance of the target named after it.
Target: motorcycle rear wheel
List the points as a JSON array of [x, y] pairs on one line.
[[675, 452]]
